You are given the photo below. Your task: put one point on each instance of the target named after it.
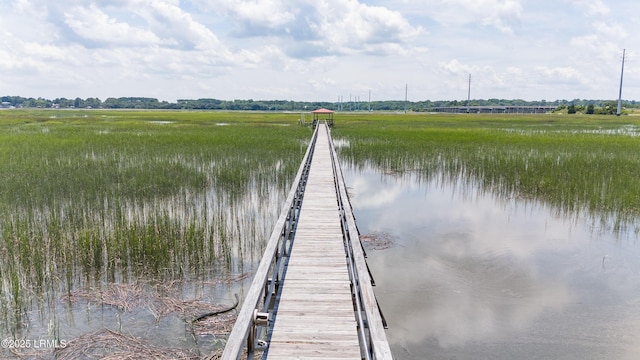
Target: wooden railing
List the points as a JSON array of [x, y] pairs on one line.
[[253, 316], [373, 340]]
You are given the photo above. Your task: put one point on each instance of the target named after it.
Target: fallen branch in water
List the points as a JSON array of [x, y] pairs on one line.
[[214, 313]]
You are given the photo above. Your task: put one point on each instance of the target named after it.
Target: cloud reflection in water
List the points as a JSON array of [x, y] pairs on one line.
[[470, 270]]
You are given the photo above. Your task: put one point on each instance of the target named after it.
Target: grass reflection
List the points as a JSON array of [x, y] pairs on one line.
[[581, 166]]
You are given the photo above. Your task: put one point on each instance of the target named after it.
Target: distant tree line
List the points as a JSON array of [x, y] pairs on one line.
[[572, 106], [606, 108]]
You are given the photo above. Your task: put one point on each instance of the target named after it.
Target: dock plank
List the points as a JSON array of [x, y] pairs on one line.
[[315, 317]]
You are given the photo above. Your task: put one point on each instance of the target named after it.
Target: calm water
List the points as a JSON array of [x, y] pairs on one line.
[[471, 276], [153, 306]]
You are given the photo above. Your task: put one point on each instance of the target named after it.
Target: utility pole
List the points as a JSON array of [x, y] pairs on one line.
[[406, 97], [621, 77], [369, 100], [469, 96]]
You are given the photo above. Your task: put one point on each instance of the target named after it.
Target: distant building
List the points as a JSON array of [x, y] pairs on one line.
[[497, 109]]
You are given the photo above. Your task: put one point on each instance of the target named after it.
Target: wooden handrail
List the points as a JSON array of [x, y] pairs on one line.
[[372, 335], [378, 344], [244, 323]]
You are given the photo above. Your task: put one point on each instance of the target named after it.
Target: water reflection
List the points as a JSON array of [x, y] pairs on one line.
[[473, 276], [216, 241]]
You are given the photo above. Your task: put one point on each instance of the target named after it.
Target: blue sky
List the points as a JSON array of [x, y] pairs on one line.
[[317, 50]]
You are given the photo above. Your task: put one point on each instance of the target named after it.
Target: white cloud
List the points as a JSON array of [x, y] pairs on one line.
[[46, 52], [26, 7], [560, 74], [483, 76], [601, 47], [93, 24], [318, 28], [259, 13], [454, 66], [515, 71], [317, 49], [172, 22], [500, 14], [10, 62], [592, 7], [350, 22]]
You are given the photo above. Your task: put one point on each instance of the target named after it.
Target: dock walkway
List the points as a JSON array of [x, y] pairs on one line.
[[312, 292], [315, 311]]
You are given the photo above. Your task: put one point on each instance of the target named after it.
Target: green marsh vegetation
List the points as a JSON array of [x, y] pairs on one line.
[[94, 198], [581, 166], [89, 198]]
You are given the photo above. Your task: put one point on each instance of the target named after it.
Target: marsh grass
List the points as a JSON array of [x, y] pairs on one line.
[[98, 199], [90, 198], [581, 166], [108, 344]]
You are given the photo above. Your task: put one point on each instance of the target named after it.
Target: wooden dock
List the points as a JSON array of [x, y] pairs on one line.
[[312, 292], [314, 316]]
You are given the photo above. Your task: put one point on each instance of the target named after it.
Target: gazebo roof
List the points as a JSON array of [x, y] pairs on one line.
[[323, 111]]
